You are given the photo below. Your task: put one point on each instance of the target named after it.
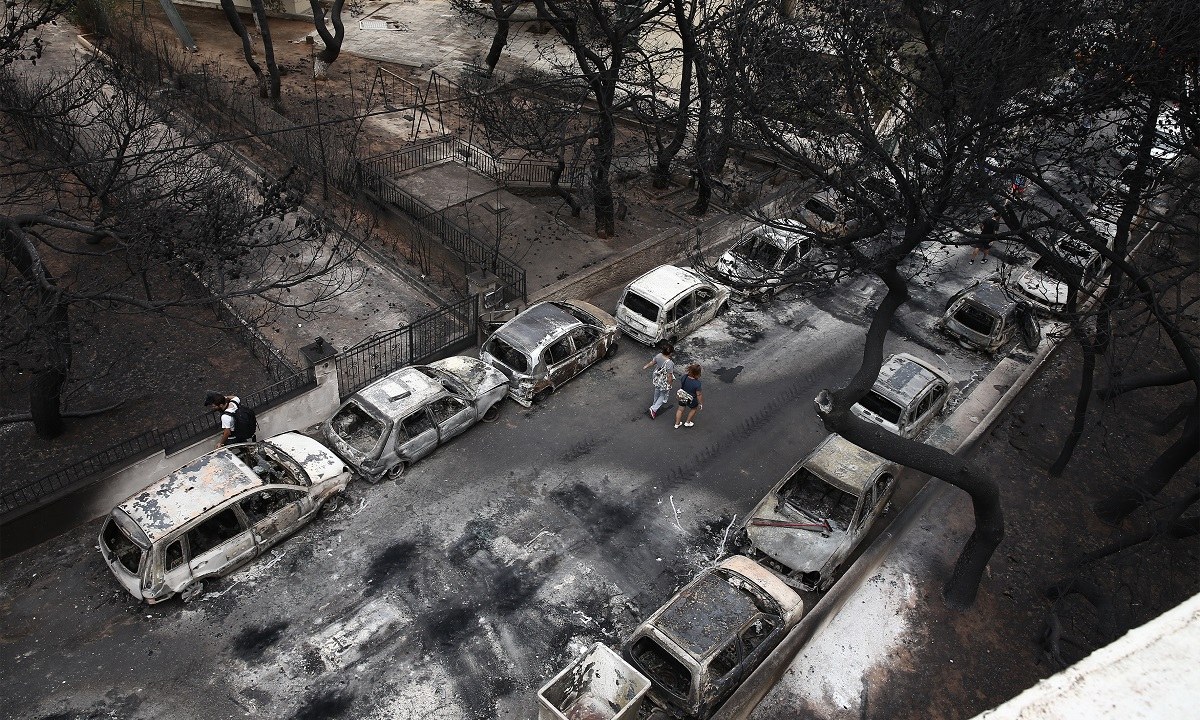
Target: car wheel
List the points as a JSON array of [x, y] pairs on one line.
[[395, 471], [721, 310], [612, 350], [540, 397], [191, 592], [766, 297], [492, 414]]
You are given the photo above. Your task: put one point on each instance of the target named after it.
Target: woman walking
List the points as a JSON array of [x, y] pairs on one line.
[[662, 379], [690, 396]]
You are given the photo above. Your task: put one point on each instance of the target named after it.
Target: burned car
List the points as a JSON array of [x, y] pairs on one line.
[[1043, 284], [216, 513], [667, 303], [711, 635], [984, 316], [548, 344], [825, 213], [399, 419], [908, 394], [815, 517], [766, 260]]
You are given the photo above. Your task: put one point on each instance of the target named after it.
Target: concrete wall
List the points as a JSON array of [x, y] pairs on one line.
[[95, 497], [284, 8]]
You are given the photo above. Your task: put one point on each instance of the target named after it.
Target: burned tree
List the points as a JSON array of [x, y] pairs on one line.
[[110, 208], [332, 41], [268, 82]]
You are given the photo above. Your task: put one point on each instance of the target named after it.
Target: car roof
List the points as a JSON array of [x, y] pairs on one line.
[[665, 283], [706, 614], [792, 233], [189, 492], [395, 395], [993, 296], [538, 325], [904, 376], [844, 465]]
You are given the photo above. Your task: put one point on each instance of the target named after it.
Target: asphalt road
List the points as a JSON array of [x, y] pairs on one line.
[[460, 589]]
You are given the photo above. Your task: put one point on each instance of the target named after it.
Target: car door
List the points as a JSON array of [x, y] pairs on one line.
[[560, 365], [587, 345], [452, 415], [219, 543], [416, 437], [723, 674], [679, 315], [706, 307], [274, 512], [176, 572]]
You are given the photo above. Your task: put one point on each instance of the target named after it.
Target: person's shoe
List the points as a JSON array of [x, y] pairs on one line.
[[688, 424], [970, 262], [653, 414], [981, 262], [677, 425]]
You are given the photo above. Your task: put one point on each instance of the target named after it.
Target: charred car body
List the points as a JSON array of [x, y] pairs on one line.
[[766, 260], [397, 420], [217, 512], [711, 635], [548, 344], [815, 517], [985, 316], [908, 394], [1044, 283], [667, 303]]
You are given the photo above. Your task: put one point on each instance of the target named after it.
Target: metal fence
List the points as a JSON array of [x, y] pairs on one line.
[[146, 444], [441, 331]]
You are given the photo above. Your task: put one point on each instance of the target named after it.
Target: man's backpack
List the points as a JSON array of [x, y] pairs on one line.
[[245, 423]]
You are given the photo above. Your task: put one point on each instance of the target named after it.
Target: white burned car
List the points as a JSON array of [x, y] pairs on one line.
[[906, 397], [399, 419], [767, 260], [815, 517], [548, 344], [711, 635], [985, 316], [1043, 284], [668, 303], [216, 513]]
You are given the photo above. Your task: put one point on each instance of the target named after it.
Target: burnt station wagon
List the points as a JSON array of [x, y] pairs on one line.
[[667, 303], [399, 419], [908, 394], [548, 344], [217, 512]]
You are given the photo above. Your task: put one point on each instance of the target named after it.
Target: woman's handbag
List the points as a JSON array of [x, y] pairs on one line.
[[685, 397]]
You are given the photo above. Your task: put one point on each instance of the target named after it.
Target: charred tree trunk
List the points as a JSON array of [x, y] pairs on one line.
[[703, 132], [45, 389], [503, 14], [235, 22], [1118, 506], [834, 409], [566, 195], [332, 41], [264, 29], [1087, 344], [666, 154], [602, 154], [1139, 382]]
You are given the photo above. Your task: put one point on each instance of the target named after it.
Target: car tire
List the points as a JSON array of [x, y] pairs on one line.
[[612, 350], [492, 414], [397, 470], [766, 297], [541, 396], [191, 592]]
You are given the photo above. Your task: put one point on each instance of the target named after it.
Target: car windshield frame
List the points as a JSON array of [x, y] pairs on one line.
[[641, 311], [877, 404], [805, 490], [118, 553], [975, 315], [759, 250], [367, 412], [505, 358]]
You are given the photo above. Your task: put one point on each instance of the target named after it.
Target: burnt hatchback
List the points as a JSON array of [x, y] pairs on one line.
[[548, 344], [216, 513], [399, 419], [711, 635], [985, 316]]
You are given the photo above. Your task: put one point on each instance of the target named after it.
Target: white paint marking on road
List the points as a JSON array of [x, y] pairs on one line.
[[676, 514]]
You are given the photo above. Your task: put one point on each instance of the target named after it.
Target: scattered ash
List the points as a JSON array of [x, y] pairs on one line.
[[477, 535], [323, 705], [601, 518], [392, 562]]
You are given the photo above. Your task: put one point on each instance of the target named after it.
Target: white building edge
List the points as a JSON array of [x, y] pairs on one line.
[[1149, 673]]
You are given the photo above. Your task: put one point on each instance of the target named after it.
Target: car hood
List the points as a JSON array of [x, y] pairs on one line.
[[478, 376], [739, 268], [1041, 288], [317, 460], [799, 549]]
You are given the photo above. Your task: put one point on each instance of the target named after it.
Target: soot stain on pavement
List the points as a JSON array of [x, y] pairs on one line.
[[477, 535], [727, 375], [744, 329], [447, 627], [601, 518], [388, 564], [250, 644], [513, 586], [324, 704]]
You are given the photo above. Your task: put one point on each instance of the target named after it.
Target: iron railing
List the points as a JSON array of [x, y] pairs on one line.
[[442, 331], [146, 444]]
